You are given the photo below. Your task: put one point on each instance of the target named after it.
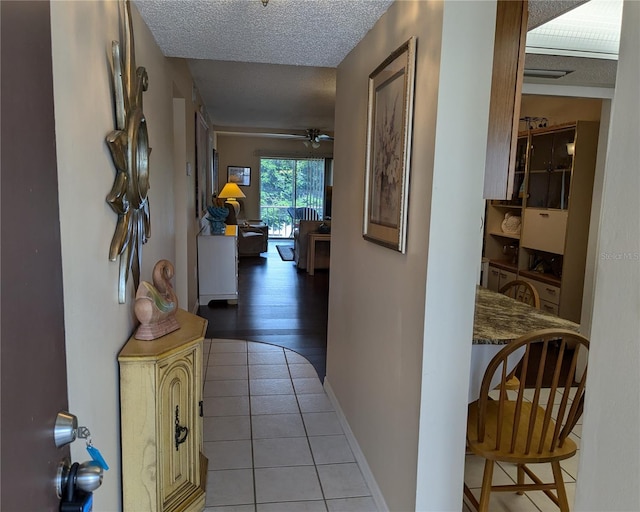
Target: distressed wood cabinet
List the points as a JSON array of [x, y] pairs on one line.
[[506, 89], [163, 468]]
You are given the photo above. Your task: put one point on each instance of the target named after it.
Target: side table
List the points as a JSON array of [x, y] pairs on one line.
[[313, 239]]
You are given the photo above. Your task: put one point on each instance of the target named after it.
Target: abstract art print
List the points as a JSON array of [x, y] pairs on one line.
[[390, 113]]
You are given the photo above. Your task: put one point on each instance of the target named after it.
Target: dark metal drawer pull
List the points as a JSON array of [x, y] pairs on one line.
[[181, 432]]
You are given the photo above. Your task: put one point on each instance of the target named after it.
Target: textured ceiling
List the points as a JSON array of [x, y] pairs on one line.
[[296, 32], [273, 67]]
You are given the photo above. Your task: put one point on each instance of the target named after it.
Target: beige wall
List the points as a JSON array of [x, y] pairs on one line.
[[400, 324], [246, 151], [96, 325], [560, 109]]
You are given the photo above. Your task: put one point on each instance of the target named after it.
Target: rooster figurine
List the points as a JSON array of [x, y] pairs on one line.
[[156, 304]]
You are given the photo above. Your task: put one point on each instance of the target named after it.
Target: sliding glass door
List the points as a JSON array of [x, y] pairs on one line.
[[291, 189]]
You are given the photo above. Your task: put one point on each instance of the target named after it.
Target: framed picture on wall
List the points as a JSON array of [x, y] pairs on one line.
[[390, 112], [203, 168], [214, 173], [239, 175]]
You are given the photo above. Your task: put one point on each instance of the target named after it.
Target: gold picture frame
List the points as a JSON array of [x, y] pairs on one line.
[[389, 126]]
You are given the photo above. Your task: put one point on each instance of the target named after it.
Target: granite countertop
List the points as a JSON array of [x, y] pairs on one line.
[[499, 319]]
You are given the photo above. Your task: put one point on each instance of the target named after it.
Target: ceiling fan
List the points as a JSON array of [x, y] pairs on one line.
[[312, 137]]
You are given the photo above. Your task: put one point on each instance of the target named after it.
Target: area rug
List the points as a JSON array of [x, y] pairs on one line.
[[285, 252]]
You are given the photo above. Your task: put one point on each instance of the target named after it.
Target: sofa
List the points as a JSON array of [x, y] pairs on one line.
[[301, 245]]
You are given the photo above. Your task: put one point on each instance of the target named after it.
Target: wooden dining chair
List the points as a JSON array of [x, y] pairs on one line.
[[522, 291], [525, 432]]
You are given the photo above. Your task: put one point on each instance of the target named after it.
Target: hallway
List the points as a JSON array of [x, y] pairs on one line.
[[272, 437], [277, 304]]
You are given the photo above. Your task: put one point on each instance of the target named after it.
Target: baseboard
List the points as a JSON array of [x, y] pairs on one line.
[[376, 494]]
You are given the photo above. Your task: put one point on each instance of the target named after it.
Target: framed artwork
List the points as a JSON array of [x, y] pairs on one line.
[[390, 115], [203, 170], [239, 175], [214, 174]]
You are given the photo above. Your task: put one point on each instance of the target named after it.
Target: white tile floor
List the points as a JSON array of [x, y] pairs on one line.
[[275, 444], [273, 440], [505, 474]]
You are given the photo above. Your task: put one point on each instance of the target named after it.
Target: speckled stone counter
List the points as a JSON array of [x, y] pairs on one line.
[[500, 319]]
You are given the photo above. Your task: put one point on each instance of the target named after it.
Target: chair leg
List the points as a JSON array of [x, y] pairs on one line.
[[520, 478], [485, 493], [562, 493]]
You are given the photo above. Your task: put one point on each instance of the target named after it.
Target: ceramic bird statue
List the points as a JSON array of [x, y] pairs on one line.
[[156, 304]]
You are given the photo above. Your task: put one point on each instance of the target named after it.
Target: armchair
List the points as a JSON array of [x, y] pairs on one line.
[[252, 238], [300, 245]]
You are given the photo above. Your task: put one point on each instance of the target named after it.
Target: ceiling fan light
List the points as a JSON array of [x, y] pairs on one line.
[[306, 143], [315, 144]]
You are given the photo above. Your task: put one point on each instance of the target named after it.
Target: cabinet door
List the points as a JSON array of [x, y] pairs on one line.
[[493, 283], [504, 107], [178, 450], [550, 167], [505, 277], [544, 230]]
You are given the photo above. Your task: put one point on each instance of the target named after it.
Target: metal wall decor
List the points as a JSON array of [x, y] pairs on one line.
[[129, 145]]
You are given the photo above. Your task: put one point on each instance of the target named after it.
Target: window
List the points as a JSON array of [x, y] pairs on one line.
[[291, 188]]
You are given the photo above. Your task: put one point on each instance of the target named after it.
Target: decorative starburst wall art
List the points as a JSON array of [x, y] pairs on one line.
[[129, 145]]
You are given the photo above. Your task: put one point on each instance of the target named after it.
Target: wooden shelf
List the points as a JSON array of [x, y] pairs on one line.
[[546, 171], [538, 276], [508, 206], [505, 235], [504, 265]]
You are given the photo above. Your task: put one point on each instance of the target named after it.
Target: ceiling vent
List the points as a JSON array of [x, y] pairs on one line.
[[546, 73]]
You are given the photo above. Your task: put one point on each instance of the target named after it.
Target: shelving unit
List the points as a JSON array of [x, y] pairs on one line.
[[555, 168]]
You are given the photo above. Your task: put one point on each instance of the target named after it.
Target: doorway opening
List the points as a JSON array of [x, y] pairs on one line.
[[292, 189]]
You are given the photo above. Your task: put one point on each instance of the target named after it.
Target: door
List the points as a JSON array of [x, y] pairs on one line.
[[178, 465], [291, 189], [32, 344]]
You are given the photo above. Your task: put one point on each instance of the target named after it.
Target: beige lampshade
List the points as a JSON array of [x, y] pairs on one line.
[[231, 191]]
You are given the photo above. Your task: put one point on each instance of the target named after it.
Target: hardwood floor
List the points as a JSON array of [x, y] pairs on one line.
[[277, 304]]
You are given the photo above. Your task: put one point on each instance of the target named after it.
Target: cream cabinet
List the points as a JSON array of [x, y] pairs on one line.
[[218, 266], [498, 277], [555, 169], [546, 230], [163, 468], [548, 291]]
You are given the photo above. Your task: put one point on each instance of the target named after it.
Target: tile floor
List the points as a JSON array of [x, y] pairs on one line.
[[275, 444], [273, 440], [505, 474]]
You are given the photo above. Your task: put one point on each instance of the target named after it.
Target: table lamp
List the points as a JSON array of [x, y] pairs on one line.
[[230, 192]]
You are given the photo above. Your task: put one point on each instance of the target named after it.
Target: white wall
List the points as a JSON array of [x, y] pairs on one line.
[[379, 317], [96, 325], [609, 462], [454, 251]]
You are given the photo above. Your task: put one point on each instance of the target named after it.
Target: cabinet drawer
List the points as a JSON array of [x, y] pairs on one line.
[[544, 230], [549, 307], [548, 293]]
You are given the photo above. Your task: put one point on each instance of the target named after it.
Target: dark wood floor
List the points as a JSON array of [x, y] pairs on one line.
[[277, 304]]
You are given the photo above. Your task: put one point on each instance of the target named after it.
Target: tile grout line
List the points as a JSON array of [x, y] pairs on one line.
[[253, 461], [306, 432]]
